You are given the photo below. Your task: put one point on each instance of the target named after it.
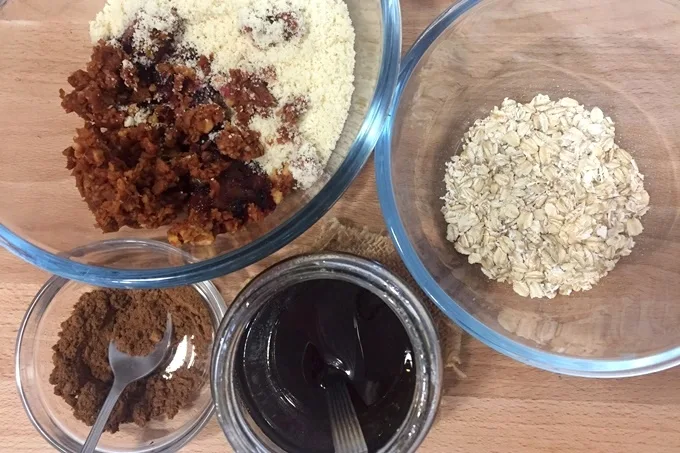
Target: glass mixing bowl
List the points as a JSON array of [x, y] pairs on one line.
[[619, 55], [38, 332], [41, 211]]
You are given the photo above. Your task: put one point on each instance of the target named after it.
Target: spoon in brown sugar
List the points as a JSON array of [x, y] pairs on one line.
[[126, 370]]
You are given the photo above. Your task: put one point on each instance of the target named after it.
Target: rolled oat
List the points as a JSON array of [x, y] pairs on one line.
[[543, 198]]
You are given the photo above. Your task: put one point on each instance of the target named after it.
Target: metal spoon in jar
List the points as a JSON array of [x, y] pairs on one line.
[[126, 370], [339, 333]]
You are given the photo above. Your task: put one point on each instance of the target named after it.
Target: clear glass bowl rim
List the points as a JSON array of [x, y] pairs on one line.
[[594, 368], [54, 284], [274, 240]]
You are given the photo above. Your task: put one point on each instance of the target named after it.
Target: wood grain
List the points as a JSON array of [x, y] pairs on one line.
[[502, 406]]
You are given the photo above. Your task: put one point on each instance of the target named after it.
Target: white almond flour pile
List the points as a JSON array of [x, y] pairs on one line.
[[317, 61], [543, 198]]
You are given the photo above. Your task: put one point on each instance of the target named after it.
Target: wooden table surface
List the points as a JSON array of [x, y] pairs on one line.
[[502, 406]]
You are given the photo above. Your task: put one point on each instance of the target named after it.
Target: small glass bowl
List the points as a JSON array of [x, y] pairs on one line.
[[38, 332]]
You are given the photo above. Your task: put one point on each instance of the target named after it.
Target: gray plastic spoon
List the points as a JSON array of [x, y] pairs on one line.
[[126, 370]]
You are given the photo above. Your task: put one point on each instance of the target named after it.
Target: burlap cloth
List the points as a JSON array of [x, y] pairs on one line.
[[343, 236]]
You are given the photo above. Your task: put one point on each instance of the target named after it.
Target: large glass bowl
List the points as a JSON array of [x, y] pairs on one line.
[[41, 211], [619, 55]]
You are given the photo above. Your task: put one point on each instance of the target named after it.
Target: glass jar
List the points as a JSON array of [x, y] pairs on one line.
[[242, 431]]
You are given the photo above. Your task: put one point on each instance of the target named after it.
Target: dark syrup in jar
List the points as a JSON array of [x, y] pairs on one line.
[[286, 353]]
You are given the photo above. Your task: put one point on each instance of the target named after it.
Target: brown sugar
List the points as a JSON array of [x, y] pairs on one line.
[[135, 320], [158, 136], [248, 94]]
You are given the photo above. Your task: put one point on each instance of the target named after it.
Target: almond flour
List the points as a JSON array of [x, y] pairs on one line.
[[308, 43], [543, 198]]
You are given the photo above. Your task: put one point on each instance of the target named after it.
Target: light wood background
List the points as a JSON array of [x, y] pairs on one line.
[[502, 406]]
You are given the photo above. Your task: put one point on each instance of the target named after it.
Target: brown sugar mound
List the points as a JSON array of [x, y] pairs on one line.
[[159, 142], [135, 320]]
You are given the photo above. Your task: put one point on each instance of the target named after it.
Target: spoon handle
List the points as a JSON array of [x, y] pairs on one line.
[[345, 428], [98, 427]]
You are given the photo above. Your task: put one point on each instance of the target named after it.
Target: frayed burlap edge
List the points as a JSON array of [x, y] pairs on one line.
[[343, 236]]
